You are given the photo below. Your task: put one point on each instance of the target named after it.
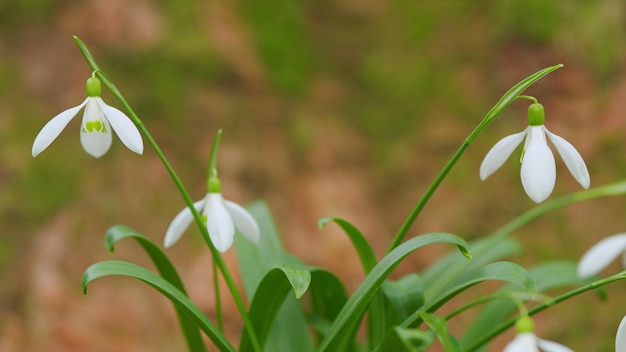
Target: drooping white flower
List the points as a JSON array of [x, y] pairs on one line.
[[221, 217], [620, 338], [538, 172], [600, 255], [99, 120], [527, 341]]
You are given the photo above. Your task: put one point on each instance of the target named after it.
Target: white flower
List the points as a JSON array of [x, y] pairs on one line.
[[221, 216], [600, 255], [538, 170], [95, 130], [620, 339], [528, 342]]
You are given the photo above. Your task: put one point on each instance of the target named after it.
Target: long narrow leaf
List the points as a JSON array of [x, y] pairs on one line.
[[439, 326], [167, 271], [450, 267], [500, 271], [352, 312], [548, 276], [121, 268], [289, 330], [360, 243]]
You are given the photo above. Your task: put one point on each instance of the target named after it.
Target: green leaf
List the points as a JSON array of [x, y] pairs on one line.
[[115, 267], [328, 295], [397, 301], [167, 271], [500, 271], [360, 243], [289, 330], [405, 295], [447, 269], [413, 340], [439, 326], [269, 298], [352, 312], [548, 276]]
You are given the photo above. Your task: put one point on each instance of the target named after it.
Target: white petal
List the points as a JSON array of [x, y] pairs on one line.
[[244, 222], [574, 162], [219, 222], [538, 166], [523, 342], [53, 128], [180, 223], [601, 255], [123, 126], [620, 339], [498, 154], [551, 346]]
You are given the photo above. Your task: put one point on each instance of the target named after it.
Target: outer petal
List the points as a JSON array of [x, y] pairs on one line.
[[620, 339], [574, 162], [244, 222], [551, 346], [538, 166], [219, 222], [498, 154], [54, 127], [180, 223], [601, 255], [123, 126], [523, 342]]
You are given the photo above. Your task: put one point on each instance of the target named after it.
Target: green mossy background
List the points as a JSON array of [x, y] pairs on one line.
[[342, 108]]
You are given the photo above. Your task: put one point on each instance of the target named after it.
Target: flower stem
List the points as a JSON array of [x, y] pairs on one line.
[[219, 261], [508, 97], [218, 299], [541, 307]]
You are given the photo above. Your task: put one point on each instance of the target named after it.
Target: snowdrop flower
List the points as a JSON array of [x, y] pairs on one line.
[[527, 341], [95, 130], [538, 170], [600, 255], [221, 218], [620, 339]]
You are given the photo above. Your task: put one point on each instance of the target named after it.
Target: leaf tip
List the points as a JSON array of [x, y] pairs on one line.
[[465, 251], [321, 223]]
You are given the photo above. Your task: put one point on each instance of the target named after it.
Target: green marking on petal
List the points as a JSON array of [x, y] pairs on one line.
[[95, 126]]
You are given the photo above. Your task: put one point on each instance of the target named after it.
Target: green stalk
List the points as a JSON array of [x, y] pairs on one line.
[[219, 261], [218, 299], [541, 307], [508, 97]]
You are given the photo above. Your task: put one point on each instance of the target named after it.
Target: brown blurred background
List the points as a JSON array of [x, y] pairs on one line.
[[343, 108]]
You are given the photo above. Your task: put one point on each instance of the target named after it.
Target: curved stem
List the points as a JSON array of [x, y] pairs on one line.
[[508, 97], [219, 261], [541, 307]]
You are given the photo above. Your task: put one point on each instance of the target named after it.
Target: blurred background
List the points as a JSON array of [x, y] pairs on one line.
[[344, 108]]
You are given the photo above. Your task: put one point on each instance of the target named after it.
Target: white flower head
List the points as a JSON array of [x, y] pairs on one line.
[[538, 172], [620, 338], [527, 341], [600, 255], [221, 218], [99, 120]]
